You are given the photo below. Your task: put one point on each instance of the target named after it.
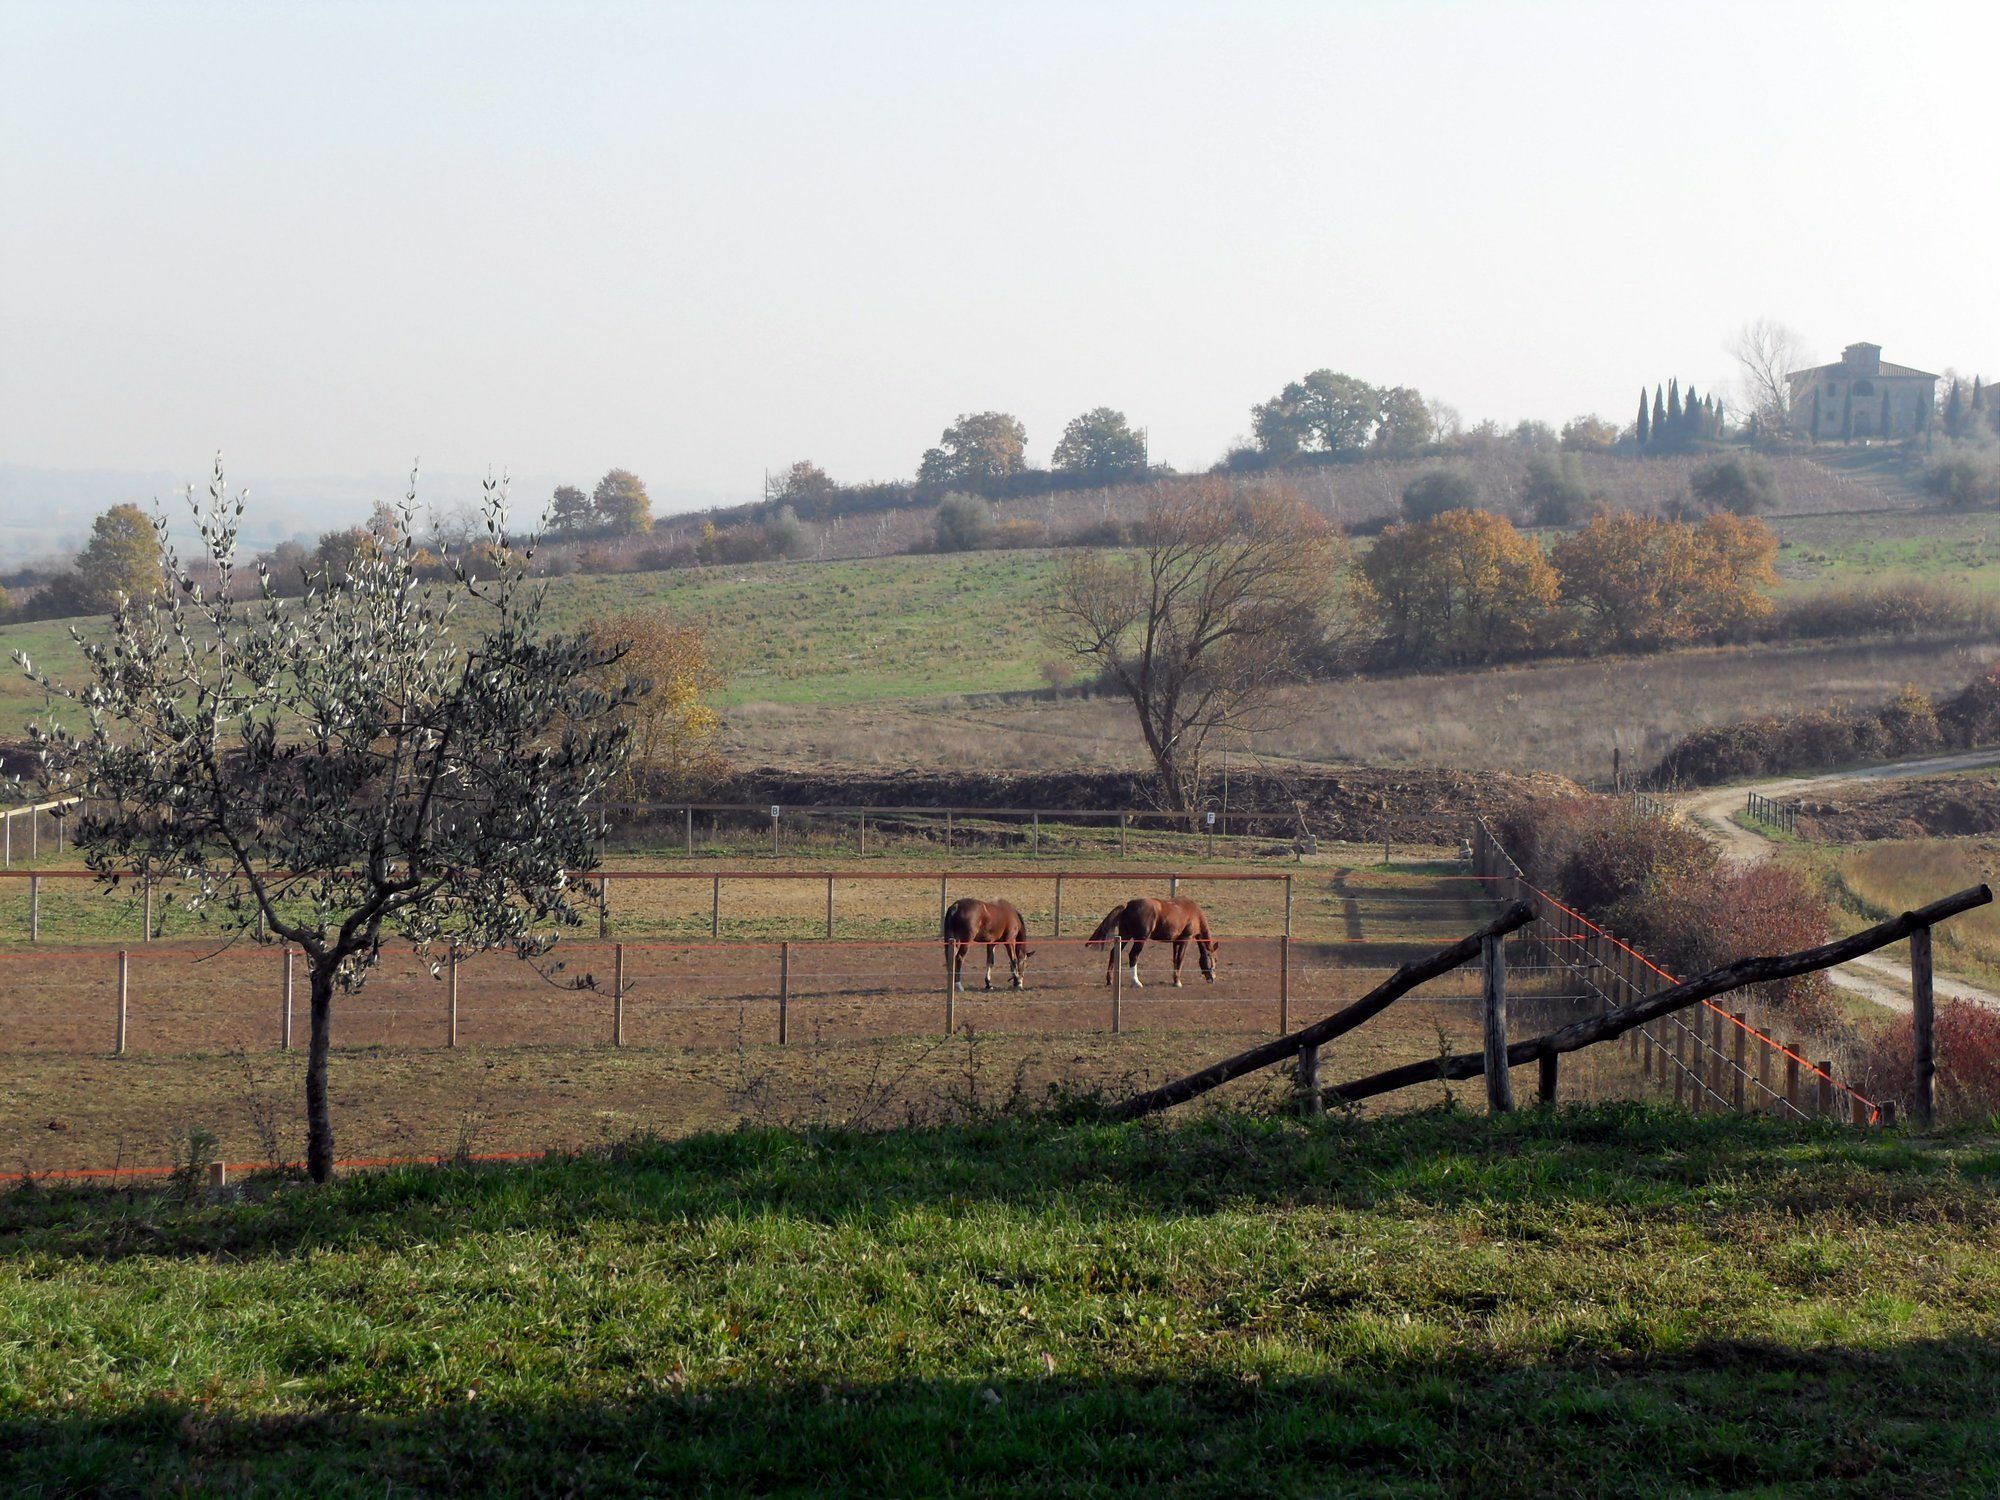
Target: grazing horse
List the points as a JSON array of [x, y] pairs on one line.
[[996, 924], [1178, 921]]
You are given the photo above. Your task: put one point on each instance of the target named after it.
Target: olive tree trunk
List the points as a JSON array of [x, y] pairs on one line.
[[319, 1120]]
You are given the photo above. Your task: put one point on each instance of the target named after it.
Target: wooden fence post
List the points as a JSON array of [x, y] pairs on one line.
[[1680, 1061], [1311, 1101], [1742, 1071], [1123, 818], [1173, 886], [1288, 905], [861, 836], [1499, 1080], [34, 908], [1545, 1082], [1825, 1082], [618, 992], [947, 830], [147, 935], [1923, 1020], [124, 995], [785, 994], [715, 909], [1035, 834], [1285, 989], [950, 992], [285, 1015], [1117, 985], [829, 908], [943, 880], [1765, 1101], [1059, 903], [451, 999], [1792, 1077]]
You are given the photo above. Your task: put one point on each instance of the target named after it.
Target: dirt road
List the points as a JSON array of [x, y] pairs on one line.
[[1884, 980]]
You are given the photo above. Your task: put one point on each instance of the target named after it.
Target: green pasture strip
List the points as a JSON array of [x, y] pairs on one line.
[[1831, 551], [1603, 1300]]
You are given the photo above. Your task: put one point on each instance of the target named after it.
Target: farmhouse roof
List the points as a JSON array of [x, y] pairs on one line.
[[1885, 368]]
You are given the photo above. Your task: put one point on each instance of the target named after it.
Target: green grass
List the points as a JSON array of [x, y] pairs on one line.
[[1608, 1300], [1835, 551]]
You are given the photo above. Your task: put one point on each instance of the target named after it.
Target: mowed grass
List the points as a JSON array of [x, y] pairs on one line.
[[1604, 1300], [1836, 551]]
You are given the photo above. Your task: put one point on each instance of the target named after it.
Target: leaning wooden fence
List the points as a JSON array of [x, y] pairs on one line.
[[1772, 812], [1642, 1013]]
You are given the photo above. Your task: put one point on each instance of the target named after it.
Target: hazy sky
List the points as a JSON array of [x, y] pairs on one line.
[[699, 241]]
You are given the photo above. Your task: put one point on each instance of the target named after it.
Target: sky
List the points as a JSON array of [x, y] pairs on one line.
[[703, 241]]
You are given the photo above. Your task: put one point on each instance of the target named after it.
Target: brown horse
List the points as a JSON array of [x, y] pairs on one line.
[[996, 924], [1178, 921]]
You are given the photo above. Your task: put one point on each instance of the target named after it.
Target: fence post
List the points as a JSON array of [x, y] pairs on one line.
[[1059, 903], [1311, 1101], [861, 836], [1288, 906], [785, 995], [1923, 1019], [942, 880], [34, 908], [1285, 991], [1764, 1100], [7, 858], [1117, 985], [1123, 818], [947, 830], [124, 995], [1742, 1059], [1035, 834], [147, 935], [1680, 1061], [688, 848], [715, 909], [1792, 1076], [604, 907], [950, 990], [1545, 1081], [1826, 1087], [1493, 1011], [618, 993], [829, 907], [451, 999], [1173, 886], [285, 1015]]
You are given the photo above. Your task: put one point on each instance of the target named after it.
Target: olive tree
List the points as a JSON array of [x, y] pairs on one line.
[[381, 758]]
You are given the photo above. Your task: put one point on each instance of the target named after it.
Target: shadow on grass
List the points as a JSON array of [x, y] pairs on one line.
[[1633, 1158], [1722, 1416]]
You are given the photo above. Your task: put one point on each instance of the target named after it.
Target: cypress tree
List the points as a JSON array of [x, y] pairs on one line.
[[1645, 425], [1691, 415], [1978, 393], [1954, 412], [1659, 413], [1673, 406]]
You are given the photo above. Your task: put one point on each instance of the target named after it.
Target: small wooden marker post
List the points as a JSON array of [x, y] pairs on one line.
[[1285, 992], [1035, 833], [1117, 986], [603, 907], [688, 847], [618, 994], [950, 993], [785, 995], [943, 881], [1288, 906], [451, 998], [124, 995], [34, 905], [1792, 1076], [285, 1008], [947, 830], [1493, 1015], [1058, 903], [147, 935], [1123, 818], [1680, 1062], [715, 909], [1923, 1020], [1173, 886], [1825, 1088]]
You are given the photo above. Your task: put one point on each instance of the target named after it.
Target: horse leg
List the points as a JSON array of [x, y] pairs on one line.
[[1138, 947], [956, 953], [989, 966], [1017, 955], [1180, 956]]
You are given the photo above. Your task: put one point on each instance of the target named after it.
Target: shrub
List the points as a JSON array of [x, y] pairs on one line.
[[1963, 478], [1436, 491], [1888, 609], [1017, 533], [1966, 1044], [1553, 491], [964, 523], [1738, 482]]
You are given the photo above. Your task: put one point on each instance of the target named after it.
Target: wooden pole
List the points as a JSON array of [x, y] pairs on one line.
[[1288, 906], [1545, 1082], [1680, 1063], [947, 830], [1035, 834], [1285, 989], [1058, 903], [604, 907], [1923, 1019], [1311, 1101], [147, 935], [618, 992], [1765, 1101], [285, 1014], [689, 847], [451, 999], [715, 909], [1741, 1070], [785, 995], [34, 908], [1173, 885], [950, 992], [1792, 1075], [1117, 986], [942, 881], [124, 995], [829, 908], [1499, 1079], [1825, 1090], [1123, 818]]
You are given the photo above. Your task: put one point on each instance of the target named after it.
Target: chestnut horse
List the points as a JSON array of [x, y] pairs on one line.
[[996, 924], [1178, 921]]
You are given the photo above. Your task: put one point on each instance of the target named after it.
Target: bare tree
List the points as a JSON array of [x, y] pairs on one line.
[[1766, 353], [382, 757], [1219, 606]]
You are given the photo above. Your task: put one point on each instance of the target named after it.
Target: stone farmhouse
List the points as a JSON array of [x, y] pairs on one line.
[[1861, 398]]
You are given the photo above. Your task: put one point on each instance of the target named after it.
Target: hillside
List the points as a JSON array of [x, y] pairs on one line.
[[1581, 1302]]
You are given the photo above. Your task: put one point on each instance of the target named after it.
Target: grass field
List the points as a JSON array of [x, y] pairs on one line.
[[1600, 1301], [1887, 876], [1959, 548]]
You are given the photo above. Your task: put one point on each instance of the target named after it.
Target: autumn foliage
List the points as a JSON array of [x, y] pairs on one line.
[[674, 727]]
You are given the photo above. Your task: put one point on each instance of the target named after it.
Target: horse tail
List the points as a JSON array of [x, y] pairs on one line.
[[1105, 928], [954, 916]]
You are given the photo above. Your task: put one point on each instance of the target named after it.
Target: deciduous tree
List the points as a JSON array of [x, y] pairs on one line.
[[621, 503], [664, 675], [1326, 412], [1100, 444], [1464, 586], [1204, 620], [570, 511], [978, 450], [380, 758], [1766, 353]]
